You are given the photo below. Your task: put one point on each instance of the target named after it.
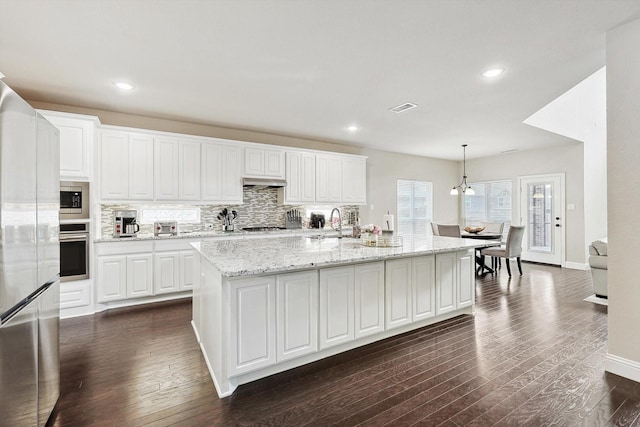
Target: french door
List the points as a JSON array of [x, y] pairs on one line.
[[542, 213]]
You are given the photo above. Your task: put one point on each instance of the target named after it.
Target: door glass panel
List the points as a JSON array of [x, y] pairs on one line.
[[540, 212]]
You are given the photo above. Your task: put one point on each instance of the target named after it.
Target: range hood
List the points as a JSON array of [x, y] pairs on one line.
[[263, 182]]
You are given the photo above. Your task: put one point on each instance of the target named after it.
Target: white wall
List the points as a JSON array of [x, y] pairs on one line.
[[623, 152], [567, 159]]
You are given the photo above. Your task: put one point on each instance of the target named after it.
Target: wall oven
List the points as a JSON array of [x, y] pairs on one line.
[[74, 200], [74, 251]]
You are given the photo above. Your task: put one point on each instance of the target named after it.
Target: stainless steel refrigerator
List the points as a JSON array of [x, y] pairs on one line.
[[29, 263]]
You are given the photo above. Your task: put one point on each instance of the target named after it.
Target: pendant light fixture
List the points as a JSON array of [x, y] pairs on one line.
[[466, 189]]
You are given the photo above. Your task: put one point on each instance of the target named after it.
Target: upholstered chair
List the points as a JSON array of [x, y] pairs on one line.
[[449, 230], [512, 249]]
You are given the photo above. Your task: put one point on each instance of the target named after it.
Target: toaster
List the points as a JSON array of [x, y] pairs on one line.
[[165, 227]]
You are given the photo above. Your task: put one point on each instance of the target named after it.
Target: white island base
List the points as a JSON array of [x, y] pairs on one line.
[[250, 325]]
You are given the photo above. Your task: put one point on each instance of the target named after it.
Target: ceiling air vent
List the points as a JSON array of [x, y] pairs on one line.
[[403, 107]]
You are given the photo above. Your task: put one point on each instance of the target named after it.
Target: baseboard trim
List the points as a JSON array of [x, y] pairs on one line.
[[577, 266], [624, 367]]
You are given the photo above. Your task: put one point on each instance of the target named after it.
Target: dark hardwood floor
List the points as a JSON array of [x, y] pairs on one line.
[[532, 355]]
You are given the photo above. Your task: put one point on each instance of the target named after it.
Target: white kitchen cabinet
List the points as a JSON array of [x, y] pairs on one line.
[[301, 178], [398, 293], [264, 163], [252, 333], [423, 282], [139, 275], [112, 278], [189, 270], [77, 134], [369, 298], [446, 282], [126, 165], [297, 314], [410, 290], [466, 279], [124, 276], [189, 170], [328, 178], [166, 267], [336, 306], [354, 180], [221, 173]]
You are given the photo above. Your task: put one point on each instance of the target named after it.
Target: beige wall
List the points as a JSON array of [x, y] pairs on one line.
[[568, 159], [623, 160], [383, 168]]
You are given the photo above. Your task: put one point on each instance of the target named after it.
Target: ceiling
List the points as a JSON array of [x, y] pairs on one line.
[[311, 68]]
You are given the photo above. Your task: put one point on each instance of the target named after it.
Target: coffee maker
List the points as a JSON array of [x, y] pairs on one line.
[[317, 220], [124, 223]]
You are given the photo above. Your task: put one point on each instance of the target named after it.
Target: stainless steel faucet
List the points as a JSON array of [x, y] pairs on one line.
[[339, 229]]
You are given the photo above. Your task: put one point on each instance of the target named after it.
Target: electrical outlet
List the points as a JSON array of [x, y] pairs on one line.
[[208, 226]]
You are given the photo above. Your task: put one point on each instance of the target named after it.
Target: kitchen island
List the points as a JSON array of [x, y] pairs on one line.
[[268, 305]]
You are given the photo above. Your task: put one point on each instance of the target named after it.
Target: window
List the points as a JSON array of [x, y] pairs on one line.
[[415, 207], [182, 215], [491, 203]]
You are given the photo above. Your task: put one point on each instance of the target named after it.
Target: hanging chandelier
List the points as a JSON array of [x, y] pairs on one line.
[[466, 188]]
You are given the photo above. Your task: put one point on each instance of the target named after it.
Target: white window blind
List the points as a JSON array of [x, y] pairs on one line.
[[415, 207], [490, 203]]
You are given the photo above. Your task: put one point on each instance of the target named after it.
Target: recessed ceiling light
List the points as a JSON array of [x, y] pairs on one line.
[[403, 107], [123, 85], [352, 128], [493, 72]]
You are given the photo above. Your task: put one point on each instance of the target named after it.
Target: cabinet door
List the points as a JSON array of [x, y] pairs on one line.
[[274, 164], [423, 280], [189, 170], [297, 314], [165, 169], [252, 337], [398, 299], [293, 190], [307, 177], [446, 272], [166, 277], [112, 278], [232, 178], [140, 167], [76, 140], [253, 162], [139, 276], [466, 279], [336, 306], [369, 298], [328, 179], [188, 270], [354, 180], [212, 174], [114, 165]]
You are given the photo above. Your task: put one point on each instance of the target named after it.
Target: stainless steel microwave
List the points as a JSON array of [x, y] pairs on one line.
[[74, 200]]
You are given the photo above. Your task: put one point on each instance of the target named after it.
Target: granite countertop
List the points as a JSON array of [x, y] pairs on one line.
[[290, 253], [221, 234]]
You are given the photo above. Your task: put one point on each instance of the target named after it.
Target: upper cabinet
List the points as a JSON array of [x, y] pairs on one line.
[[264, 163], [354, 180], [301, 178], [176, 169], [126, 165], [222, 173], [328, 178], [77, 133]]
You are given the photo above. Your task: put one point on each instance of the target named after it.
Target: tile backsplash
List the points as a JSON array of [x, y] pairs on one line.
[[260, 208]]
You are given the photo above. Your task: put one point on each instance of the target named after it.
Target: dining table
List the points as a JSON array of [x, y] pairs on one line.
[[482, 267]]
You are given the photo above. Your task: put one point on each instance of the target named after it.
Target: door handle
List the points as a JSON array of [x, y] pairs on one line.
[[557, 225]]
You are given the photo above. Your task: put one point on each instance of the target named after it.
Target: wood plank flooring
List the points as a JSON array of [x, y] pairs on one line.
[[532, 355]]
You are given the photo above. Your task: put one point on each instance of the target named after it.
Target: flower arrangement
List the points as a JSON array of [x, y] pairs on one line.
[[371, 228]]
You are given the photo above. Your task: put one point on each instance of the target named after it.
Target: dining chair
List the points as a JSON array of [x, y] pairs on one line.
[[449, 230], [492, 227], [512, 249], [434, 229]]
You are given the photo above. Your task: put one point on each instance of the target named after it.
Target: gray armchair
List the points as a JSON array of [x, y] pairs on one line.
[[598, 262], [513, 248]]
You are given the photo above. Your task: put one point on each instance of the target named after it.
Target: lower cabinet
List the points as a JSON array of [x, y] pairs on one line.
[[410, 290], [351, 303], [455, 281], [124, 276], [173, 271]]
